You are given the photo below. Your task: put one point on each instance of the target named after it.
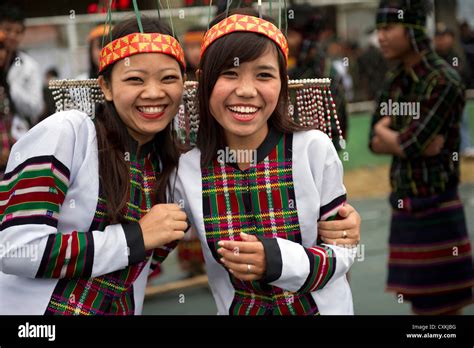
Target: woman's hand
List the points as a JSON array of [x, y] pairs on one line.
[[341, 232], [245, 259], [164, 223]]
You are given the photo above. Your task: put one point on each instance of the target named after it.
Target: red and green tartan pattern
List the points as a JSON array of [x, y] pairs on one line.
[[33, 193], [277, 303], [439, 91], [68, 255], [259, 201], [110, 294], [266, 188], [36, 188]]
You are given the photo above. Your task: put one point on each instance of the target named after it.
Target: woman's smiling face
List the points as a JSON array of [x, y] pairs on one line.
[[245, 96], [146, 90]]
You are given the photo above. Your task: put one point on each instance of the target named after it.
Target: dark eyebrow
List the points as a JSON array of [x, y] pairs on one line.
[[266, 67], [145, 72], [136, 70]]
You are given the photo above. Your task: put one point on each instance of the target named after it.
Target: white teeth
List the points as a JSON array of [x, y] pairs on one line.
[[151, 109], [243, 109]]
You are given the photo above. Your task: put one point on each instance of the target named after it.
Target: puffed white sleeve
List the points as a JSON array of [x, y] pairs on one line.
[[41, 169], [290, 265]]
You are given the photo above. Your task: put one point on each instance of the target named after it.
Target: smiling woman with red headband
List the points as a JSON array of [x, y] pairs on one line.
[[83, 207], [256, 211]]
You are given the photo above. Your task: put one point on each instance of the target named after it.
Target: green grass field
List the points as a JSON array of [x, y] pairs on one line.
[[358, 152]]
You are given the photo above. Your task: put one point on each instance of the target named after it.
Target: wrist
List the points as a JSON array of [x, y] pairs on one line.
[[273, 259], [136, 246]]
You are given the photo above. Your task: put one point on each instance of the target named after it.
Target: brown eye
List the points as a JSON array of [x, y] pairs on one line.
[[229, 73], [171, 78], [134, 79]]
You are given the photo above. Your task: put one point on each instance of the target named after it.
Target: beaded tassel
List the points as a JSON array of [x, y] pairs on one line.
[[336, 119], [328, 113], [313, 106], [320, 107], [190, 126], [77, 95]]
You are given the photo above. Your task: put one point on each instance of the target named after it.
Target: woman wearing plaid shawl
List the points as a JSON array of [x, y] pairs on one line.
[[417, 121], [257, 184], [84, 214]]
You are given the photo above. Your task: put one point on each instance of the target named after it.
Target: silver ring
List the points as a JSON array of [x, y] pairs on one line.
[[344, 234], [248, 268]]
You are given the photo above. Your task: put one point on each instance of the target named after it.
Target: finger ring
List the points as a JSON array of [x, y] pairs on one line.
[[344, 234], [248, 268]]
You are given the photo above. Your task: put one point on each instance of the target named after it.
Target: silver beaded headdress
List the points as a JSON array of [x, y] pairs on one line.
[[310, 101], [311, 104]]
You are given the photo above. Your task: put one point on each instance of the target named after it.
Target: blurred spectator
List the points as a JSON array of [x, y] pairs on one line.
[[465, 31], [23, 73], [5, 108], [444, 45], [222, 4], [295, 39], [101, 6], [94, 41], [467, 40], [192, 50], [352, 53], [49, 103], [336, 52], [312, 62], [51, 74], [372, 68], [444, 41]]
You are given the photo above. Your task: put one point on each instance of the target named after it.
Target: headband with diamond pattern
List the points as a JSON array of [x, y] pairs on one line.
[[140, 43], [245, 23]]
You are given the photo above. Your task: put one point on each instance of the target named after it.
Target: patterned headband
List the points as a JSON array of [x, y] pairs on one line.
[[140, 43], [245, 23]]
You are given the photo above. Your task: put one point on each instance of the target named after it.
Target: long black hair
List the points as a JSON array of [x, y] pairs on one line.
[[93, 65]]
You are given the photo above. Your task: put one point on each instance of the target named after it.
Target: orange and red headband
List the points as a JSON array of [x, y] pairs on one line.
[[140, 43], [245, 23]]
